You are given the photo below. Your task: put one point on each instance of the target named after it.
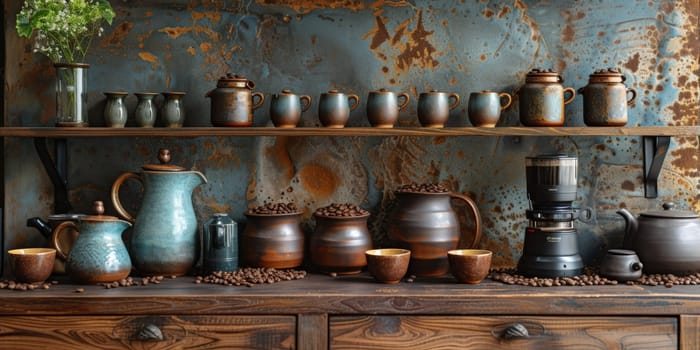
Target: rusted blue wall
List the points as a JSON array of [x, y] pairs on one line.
[[356, 47]]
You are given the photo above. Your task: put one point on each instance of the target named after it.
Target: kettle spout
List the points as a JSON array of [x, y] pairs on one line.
[[630, 228], [40, 225]]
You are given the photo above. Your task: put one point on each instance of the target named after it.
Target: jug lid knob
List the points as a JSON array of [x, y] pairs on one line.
[[164, 158], [98, 207]]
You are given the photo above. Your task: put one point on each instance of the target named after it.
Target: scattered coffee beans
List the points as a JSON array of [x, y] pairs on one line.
[[510, 276], [345, 210], [249, 276], [667, 280], [18, 286], [275, 208], [426, 188], [129, 281]]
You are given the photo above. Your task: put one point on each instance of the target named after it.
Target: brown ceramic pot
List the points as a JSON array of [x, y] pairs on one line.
[[338, 244], [426, 224], [272, 240]]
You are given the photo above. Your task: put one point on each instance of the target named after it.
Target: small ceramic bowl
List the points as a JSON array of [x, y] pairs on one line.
[[32, 265], [469, 265], [388, 265]]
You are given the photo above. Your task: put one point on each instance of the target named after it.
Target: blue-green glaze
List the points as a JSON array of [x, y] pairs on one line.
[[164, 239], [99, 254]]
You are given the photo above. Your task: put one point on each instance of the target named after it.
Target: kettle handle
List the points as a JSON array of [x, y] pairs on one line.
[[115, 194], [55, 237], [477, 217]]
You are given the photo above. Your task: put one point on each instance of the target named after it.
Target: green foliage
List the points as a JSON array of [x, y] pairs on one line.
[[63, 29]]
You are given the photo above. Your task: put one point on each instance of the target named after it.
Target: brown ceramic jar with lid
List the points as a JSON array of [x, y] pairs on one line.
[[232, 101], [605, 98], [542, 98]]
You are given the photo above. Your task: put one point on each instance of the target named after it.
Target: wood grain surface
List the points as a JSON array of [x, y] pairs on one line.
[[118, 332], [430, 332]]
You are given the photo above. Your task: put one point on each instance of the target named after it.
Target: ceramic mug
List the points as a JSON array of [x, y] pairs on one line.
[[383, 107], [334, 108], [434, 108], [485, 107], [286, 108]]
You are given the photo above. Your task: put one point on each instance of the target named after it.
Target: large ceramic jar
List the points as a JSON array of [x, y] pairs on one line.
[[605, 98], [426, 224], [272, 240], [542, 98], [99, 254], [164, 240], [339, 243]]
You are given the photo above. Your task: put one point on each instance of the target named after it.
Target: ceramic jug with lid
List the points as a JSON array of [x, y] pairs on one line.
[[542, 98], [605, 98], [164, 239], [99, 254], [232, 102], [426, 224]]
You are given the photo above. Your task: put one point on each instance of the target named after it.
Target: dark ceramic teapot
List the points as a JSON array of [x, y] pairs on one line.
[[666, 241]]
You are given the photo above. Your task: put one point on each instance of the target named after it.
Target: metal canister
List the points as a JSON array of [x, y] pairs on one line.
[[542, 98], [220, 244], [605, 98]]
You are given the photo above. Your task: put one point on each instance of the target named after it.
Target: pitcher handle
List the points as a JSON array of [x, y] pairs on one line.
[[456, 102], [405, 102], [508, 97], [115, 194], [477, 217], [356, 99], [307, 100], [571, 98], [260, 102], [634, 95], [56, 235]]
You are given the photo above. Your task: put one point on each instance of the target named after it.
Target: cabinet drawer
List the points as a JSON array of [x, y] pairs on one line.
[[436, 332], [118, 332]]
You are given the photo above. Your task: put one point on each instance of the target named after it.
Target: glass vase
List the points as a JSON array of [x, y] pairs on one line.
[[71, 94]]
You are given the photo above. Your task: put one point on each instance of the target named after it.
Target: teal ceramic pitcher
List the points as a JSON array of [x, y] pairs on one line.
[[164, 240], [98, 254]]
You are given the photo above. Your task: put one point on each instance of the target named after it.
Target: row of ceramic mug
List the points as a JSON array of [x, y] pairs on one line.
[[171, 111]]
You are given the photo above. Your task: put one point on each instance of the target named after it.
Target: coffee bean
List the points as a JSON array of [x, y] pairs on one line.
[[341, 210], [274, 209], [425, 187], [249, 276], [19, 286]]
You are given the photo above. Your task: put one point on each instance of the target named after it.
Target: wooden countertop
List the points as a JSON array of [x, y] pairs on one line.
[[359, 294]]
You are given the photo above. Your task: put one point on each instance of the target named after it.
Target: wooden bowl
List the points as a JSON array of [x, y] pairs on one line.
[[388, 265], [32, 265]]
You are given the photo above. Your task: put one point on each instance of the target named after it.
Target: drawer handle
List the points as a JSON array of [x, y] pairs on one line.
[[518, 330], [150, 332]]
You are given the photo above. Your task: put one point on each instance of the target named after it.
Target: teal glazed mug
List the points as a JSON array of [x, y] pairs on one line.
[[286, 108], [434, 108], [334, 108], [484, 108], [383, 107]]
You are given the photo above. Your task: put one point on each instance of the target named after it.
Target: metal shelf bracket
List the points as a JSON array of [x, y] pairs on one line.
[[655, 149], [56, 170]]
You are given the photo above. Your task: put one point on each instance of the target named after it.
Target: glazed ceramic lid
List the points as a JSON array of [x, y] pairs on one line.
[[608, 75], [234, 80], [670, 213], [164, 158], [98, 208], [539, 75]]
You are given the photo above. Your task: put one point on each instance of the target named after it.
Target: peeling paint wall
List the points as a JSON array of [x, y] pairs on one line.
[[357, 47]]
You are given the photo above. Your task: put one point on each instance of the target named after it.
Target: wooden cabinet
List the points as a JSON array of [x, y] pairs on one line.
[[434, 332], [148, 332]]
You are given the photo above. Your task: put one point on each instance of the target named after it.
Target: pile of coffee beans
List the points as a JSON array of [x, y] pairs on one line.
[[249, 276], [274, 208], [129, 281], [510, 276], [668, 280], [425, 188], [18, 286], [341, 210]]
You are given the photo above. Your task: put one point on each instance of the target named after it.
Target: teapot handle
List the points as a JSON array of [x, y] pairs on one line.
[[477, 217], [115, 194], [56, 235], [261, 99]]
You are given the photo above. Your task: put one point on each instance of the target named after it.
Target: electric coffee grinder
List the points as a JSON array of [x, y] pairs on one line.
[[551, 244]]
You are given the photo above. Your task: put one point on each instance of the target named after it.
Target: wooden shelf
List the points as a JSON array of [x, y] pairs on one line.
[[56, 132]]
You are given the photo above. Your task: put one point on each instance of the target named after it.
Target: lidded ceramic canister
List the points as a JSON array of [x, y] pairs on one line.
[[542, 98], [98, 255], [286, 108], [232, 102], [605, 98]]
